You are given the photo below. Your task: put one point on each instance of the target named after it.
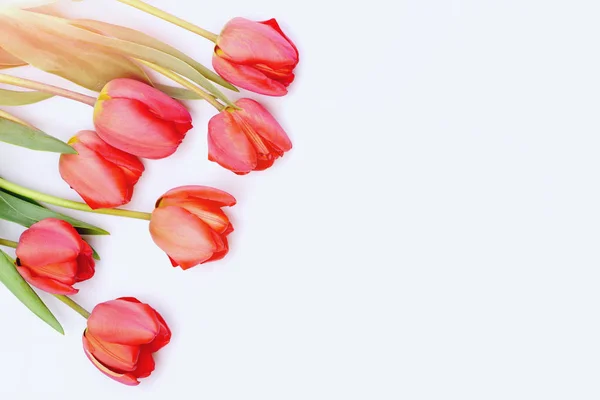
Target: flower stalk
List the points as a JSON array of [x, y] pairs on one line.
[[8, 243], [147, 8], [73, 205], [73, 305], [42, 87]]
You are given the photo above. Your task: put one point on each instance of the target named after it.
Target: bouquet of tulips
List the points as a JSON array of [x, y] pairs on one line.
[[135, 118]]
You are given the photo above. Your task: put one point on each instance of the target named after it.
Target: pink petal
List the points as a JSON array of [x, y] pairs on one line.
[[124, 322], [130, 126], [50, 241], [228, 144], [264, 123], [161, 104], [124, 378], [185, 238], [145, 365], [248, 77], [85, 262], [273, 24], [45, 284], [248, 42], [195, 192]]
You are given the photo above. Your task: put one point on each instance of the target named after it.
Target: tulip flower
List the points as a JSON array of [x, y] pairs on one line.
[[245, 140], [136, 118], [53, 257], [189, 225], [102, 175], [121, 337], [256, 56]]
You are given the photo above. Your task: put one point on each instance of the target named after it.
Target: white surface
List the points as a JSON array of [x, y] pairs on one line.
[[433, 234]]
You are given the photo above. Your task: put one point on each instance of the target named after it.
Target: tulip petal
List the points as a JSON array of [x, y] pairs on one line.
[[248, 42], [45, 284], [145, 364], [228, 144], [128, 125], [273, 24], [164, 335], [216, 196], [162, 105], [125, 378], [184, 237], [124, 322], [222, 249], [248, 77], [86, 264], [99, 182], [264, 123], [131, 165], [50, 241], [63, 272], [211, 214]]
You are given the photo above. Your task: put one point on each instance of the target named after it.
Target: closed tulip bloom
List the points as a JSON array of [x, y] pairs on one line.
[[139, 119], [256, 56], [246, 140], [102, 175], [189, 225], [53, 257], [121, 337]]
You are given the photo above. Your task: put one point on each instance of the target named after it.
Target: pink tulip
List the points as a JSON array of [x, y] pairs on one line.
[[53, 257], [121, 337], [256, 56], [102, 175], [139, 119], [189, 225], [246, 140]]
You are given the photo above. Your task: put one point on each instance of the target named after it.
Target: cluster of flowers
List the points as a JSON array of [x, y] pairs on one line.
[[135, 120]]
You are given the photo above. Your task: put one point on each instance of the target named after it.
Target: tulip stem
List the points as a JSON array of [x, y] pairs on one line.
[[140, 5], [74, 205], [42, 87], [71, 303], [8, 243], [185, 83]]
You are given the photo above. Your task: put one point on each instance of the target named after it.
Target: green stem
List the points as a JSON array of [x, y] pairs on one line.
[[71, 303], [42, 87], [8, 243], [185, 83], [140, 5], [57, 201]]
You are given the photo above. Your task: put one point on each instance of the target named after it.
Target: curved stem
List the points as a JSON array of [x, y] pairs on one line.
[[73, 205], [42, 87], [185, 83], [140, 5], [8, 243], [71, 303]]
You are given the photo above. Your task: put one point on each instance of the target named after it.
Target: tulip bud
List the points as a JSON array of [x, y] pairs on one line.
[[256, 56], [189, 225], [121, 337], [102, 175], [53, 257], [140, 120], [246, 140]]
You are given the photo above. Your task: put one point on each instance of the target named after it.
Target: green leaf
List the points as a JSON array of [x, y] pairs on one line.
[[25, 213], [95, 254], [20, 98], [131, 35], [31, 138], [21, 289], [178, 93]]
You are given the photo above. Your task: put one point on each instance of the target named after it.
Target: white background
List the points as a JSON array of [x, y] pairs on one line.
[[433, 234]]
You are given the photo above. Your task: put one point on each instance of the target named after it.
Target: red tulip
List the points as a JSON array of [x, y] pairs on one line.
[[189, 225], [102, 175], [52, 257], [246, 140], [139, 119], [256, 56], [121, 337]]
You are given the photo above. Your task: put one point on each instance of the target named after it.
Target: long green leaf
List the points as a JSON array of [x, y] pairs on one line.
[[177, 93], [21, 289], [131, 35], [31, 138], [21, 98], [25, 213]]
